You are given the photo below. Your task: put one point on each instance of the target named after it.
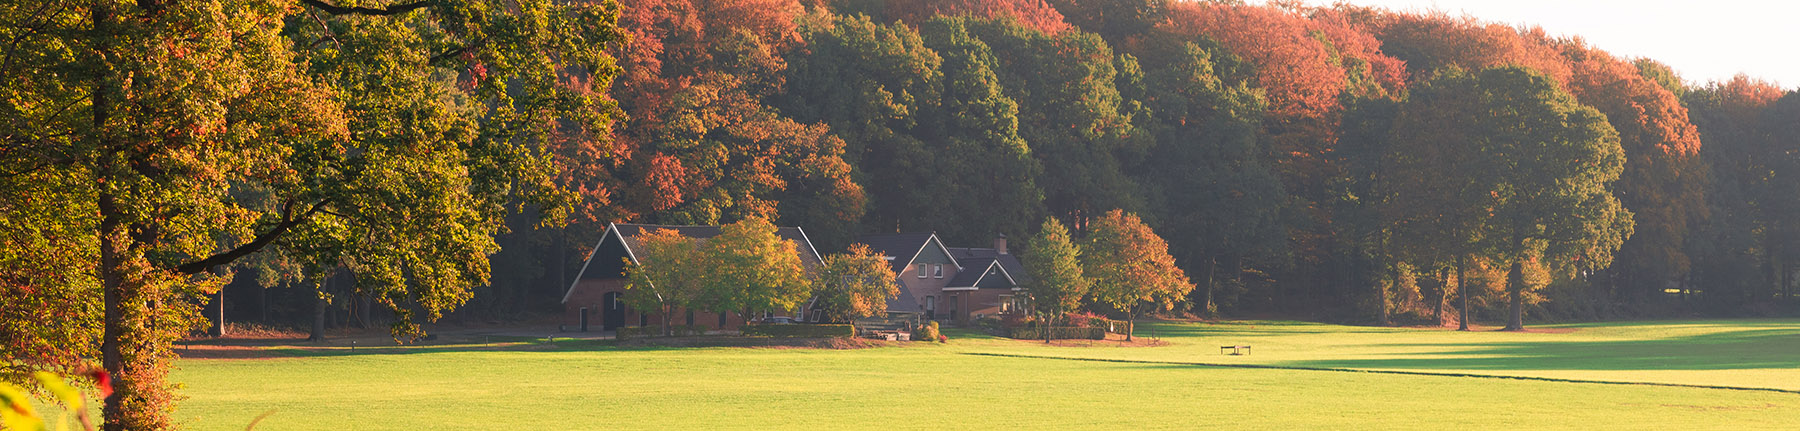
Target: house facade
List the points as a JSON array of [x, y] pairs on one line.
[[951, 285], [600, 286]]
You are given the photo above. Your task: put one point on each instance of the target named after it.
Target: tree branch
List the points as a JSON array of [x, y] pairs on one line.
[[288, 221], [447, 55], [359, 10]]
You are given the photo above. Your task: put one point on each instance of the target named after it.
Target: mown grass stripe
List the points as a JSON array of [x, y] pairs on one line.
[[1399, 372]]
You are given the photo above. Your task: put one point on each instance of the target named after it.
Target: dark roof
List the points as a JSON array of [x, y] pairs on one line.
[[904, 302], [630, 232], [1009, 262], [973, 268], [902, 246]]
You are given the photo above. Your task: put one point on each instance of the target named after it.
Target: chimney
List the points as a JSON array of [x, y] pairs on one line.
[[1000, 243]]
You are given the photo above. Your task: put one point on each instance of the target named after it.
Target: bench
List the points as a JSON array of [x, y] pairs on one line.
[[1235, 350]]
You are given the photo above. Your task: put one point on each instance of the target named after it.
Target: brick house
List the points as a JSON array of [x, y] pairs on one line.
[[951, 285], [601, 281]]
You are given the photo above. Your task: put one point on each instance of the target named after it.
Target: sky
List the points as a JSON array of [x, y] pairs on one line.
[[1703, 40]]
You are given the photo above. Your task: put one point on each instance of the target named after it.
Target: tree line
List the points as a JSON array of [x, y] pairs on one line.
[[1299, 160], [1340, 163]]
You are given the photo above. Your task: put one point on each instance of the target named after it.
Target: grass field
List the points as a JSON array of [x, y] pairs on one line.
[[961, 385]]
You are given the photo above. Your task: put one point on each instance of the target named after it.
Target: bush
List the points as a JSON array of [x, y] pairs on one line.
[[1058, 333], [1108, 325], [802, 331], [927, 332], [1082, 320], [630, 332], [989, 324], [1016, 320]]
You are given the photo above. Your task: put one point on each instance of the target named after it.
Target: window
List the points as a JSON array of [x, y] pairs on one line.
[[921, 270], [931, 307], [937, 271], [1006, 304]]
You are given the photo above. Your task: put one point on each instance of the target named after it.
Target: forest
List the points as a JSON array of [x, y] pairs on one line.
[[1298, 160], [328, 161]]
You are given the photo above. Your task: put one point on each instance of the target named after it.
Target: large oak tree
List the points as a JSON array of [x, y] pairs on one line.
[[391, 137]]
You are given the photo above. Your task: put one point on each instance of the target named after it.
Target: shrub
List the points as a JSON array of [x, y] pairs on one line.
[[989, 324], [1081, 320], [1016, 320], [1108, 325], [927, 331], [804, 331], [1058, 333]]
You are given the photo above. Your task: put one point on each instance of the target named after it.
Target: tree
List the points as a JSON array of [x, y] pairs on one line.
[[1729, 116], [196, 133], [855, 284], [753, 270], [1071, 114], [1035, 14], [1436, 206], [1308, 66], [1116, 20], [1128, 265], [1508, 166], [931, 134], [1054, 264], [1663, 183], [668, 274], [1207, 178], [703, 145]]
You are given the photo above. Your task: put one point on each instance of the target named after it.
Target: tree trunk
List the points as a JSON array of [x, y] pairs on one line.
[[1130, 323], [112, 233], [1462, 295], [1211, 310], [1515, 289], [1439, 294], [1781, 276], [1381, 296], [667, 331], [319, 307], [111, 276], [218, 309]]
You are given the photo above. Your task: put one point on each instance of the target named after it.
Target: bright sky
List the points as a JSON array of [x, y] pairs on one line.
[[1703, 40]]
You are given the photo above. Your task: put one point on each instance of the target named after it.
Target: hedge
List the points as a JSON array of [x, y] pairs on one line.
[[807, 331], [629, 332], [1058, 333], [1113, 326]]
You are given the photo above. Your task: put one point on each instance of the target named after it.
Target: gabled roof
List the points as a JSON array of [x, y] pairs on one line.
[[1008, 262], [978, 269], [904, 302], [905, 247], [626, 236]]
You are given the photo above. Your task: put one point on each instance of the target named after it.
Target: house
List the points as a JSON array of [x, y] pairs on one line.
[[952, 285], [601, 282]]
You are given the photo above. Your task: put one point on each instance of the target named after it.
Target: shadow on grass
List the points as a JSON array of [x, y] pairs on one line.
[[1737, 344], [1746, 349]]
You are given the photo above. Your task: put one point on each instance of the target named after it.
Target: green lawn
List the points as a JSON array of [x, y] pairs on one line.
[[591, 385]]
